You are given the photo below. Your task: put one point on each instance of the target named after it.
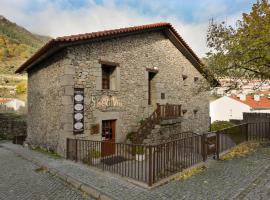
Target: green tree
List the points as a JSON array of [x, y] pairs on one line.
[[21, 87], [243, 50]]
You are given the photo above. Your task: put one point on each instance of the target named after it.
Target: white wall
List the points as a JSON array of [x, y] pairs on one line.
[[15, 104], [260, 111], [226, 108]]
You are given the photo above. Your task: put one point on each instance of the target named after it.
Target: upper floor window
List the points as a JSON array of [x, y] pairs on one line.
[[184, 77], [107, 72]]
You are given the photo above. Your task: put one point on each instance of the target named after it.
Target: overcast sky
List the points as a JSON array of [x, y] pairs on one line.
[[65, 17]]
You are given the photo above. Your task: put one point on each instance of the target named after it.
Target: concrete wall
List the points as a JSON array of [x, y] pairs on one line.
[[11, 126]]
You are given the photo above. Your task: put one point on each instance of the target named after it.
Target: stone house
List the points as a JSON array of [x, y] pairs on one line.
[[100, 85]]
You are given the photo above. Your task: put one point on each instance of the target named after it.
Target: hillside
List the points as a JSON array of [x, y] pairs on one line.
[[16, 45]]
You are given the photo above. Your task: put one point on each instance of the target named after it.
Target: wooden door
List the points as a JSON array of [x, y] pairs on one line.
[[108, 135]]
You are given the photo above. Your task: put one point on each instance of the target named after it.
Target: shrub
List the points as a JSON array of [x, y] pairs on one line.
[[130, 136], [139, 150], [95, 153], [21, 87], [219, 125], [141, 121]]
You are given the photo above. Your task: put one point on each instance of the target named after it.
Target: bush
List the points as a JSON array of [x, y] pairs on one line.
[[21, 87], [94, 153], [130, 136], [139, 150], [219, 125]]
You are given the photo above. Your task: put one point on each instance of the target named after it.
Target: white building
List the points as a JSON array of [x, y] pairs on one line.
[[14, 104], [232, 107]]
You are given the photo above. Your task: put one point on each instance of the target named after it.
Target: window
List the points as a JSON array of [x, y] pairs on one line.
[[150, 84], [184, 77], [195, 114], [184, 111], [107, 72], [162, 95]]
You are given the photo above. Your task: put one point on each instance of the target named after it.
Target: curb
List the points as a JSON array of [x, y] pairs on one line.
[[91, 191]]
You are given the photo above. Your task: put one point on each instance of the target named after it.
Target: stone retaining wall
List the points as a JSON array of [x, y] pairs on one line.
[[10, 127]]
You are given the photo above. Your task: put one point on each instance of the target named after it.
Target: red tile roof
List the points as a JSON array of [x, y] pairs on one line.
[[263, 103], [112, 33], [4, 100]]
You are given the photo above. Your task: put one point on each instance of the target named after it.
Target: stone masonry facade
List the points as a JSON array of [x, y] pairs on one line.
[[51, 88]]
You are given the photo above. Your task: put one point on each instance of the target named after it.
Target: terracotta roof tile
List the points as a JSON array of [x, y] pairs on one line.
[[4, 100], [263, 103], [111, 33], [87, 36]]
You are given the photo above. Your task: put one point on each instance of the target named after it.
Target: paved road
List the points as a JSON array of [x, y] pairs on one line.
[[246, 178], [20, 181]]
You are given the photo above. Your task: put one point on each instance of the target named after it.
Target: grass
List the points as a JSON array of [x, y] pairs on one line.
[[46, 152], [41, 169], [190, 172], [12, 115], [241, 150]]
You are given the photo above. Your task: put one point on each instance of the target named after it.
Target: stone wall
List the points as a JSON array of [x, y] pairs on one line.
[[46, 103], [134, 55], [51, 88], [11, 126]]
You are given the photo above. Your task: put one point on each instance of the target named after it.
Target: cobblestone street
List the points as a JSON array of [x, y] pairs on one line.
[[245, 178], [20, 181]]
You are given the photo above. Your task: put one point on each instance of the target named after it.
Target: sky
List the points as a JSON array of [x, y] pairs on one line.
[[65, 17]]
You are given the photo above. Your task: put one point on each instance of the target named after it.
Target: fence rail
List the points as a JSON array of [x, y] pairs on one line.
[[152, 163], [230, 137], [145, 163]]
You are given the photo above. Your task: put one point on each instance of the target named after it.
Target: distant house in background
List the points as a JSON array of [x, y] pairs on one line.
[[233, 107], [14, 104]]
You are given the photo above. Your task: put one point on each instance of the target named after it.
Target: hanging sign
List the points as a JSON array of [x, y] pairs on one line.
[[78, 118]]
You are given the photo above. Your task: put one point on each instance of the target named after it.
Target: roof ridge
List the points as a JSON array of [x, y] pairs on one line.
[[112, 31]]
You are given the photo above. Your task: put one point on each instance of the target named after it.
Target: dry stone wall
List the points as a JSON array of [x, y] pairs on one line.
[[51, 88]]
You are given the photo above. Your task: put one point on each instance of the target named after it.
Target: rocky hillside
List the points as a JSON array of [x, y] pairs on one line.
[[16, 45]]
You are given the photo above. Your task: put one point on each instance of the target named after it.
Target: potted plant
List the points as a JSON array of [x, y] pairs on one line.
[[139, 153], [93, 157], [130, 136]]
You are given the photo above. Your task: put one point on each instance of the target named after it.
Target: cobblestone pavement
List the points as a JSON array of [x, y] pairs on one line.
[[246, 178], [241, 178], [20, 181]]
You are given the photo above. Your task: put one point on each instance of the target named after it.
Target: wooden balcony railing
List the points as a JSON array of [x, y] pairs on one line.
[[162, 112]]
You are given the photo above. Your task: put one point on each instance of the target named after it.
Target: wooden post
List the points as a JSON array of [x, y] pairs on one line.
[[150, 177], [246, 131], [67, 154], [204, 153], [217, 145], [158, 110], [76, 150]]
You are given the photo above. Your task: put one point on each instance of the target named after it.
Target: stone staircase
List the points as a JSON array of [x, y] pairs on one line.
[[152, 128]]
